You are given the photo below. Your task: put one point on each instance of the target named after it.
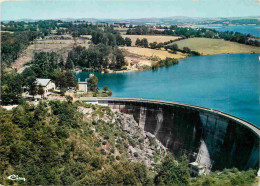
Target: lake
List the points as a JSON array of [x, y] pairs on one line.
[[229, 82], [254, 30]]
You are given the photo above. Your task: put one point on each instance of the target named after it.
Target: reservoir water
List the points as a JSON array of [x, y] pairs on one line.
[[254, 30], [230, 83]]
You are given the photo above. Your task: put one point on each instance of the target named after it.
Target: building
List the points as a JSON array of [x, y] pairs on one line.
[[197, 169], [135, 62], [82, 86], [46, 84]]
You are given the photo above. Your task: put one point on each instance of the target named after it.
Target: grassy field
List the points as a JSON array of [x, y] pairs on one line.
[[208, 46], [151, 38]]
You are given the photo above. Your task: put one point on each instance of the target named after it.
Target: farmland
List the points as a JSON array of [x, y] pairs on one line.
[[151, 38], [153, 52], [207, 46]]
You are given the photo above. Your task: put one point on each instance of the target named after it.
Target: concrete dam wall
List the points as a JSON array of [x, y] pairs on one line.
[[209, 137]]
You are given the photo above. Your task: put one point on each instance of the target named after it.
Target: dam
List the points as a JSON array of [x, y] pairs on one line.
[[209, 137]]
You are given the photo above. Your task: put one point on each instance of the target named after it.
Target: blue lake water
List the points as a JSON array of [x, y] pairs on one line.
[[254, 30], [229, 82]]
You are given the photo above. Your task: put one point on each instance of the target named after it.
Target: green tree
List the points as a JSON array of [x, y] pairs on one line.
[[138, 42], [61, 63], [59, 79], [105, 88], [174, 47], [11, 88], [172, 172], [144, 43], [69, 64], [160, 45], [128, 41], [120, 59], [186, 50], [62, 91], [29, 76], [69, 99], [41, 91], [70, 79], [153, 45], [33, 89], [92, 83]]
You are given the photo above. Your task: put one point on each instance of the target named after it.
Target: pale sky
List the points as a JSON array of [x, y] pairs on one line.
[[117, 9]]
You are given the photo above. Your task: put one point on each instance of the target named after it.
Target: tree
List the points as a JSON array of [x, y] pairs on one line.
[[70, 79], [160, 45], [41, 91], [92, 83], [128, 41], [105, 88], [174, 47], [59, 79], [153, 45], [144, 43], [120, 59], [62, 91], [166, 47], [186, 50], [119, 39], [69, 64], [11, 88], [33, 89], [109, 93], [29, 76], [138, 42], [172, 172], [69, 99], [61, 63]]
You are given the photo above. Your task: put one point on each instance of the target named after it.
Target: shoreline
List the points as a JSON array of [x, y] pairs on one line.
[[136, 70]]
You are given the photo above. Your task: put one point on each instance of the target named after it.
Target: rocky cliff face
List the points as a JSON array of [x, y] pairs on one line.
[[139, 145]]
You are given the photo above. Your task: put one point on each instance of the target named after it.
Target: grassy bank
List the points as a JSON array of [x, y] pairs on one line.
[[207, 46]]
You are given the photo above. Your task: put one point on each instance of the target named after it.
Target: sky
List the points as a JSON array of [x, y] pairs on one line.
[[122, 9]]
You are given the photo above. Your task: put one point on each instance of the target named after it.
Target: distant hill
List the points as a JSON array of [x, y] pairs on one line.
[[179, 20]]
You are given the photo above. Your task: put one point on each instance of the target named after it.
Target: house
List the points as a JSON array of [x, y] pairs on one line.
[[46, 84], [135, 62]]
